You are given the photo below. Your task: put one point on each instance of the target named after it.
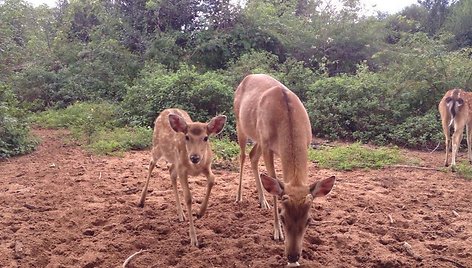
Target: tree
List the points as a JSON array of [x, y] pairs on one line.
[[459, 22]]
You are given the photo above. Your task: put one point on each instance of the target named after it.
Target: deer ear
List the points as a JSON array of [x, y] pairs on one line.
[[272, 185], [216, 124], [177, 123], [323, 187]]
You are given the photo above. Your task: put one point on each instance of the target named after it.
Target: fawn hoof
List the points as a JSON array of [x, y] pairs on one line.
[[194, 243], [141, 204]]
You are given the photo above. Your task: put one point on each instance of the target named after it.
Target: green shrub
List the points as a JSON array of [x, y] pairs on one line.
[[101, 114], [15, 137], [225, 152], [355, 156], [464, 169], [418, 131], [352, 107], [118, 140], [201, 95]]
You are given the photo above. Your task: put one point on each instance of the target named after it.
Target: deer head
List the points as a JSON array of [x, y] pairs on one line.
[[197, 134], [295, 210]]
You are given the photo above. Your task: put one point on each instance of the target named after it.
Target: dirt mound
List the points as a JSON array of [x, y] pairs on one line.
[[62, 207]]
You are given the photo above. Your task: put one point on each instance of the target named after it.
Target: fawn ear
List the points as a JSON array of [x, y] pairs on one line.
[[216, 124], [272, 185], [177, 123], [323, 187]]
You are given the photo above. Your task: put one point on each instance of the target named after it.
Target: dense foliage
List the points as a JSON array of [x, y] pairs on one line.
[[368, 77], [14, 132]]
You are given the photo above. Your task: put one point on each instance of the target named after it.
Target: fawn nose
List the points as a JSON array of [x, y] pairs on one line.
[[293, 257], [195, 158]]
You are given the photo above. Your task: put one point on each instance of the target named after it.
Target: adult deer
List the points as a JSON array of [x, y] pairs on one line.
[[184, 144], [273, 117], [456, 110]]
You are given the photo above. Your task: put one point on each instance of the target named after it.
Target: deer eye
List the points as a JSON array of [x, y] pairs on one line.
[[187, 138], [205, 139]]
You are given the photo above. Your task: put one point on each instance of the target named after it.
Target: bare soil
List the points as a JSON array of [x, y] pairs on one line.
[[62, 207]]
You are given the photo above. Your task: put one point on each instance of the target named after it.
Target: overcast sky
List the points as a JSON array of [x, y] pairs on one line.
[[391, 6]]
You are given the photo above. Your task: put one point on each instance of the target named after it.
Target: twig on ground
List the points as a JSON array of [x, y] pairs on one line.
[[390, 218], [455, 213], [100, 176], [416, 167], [456, 263], [126, 262], [439, 143]]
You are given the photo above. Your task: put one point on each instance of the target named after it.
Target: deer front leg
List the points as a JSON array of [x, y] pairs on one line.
[[269, 163], [152, 164], [210, 183], [242, 140], [188, 202], [254, 155], [173, 177]]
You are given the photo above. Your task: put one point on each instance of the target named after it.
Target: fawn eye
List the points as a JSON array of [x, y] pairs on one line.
[[205, 139], [187, 138]]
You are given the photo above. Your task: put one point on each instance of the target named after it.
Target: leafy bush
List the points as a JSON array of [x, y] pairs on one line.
[[98, 126], [226, 153], [201, 95], [355, 156], [352, 107], [101, 114], [418, 131], [15, 138], [118, 140]]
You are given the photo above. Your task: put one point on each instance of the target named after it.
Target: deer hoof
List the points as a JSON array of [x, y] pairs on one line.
[[453, 168], [141, 204]]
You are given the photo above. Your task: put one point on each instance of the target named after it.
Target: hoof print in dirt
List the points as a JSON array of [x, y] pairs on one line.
[[89, 232]]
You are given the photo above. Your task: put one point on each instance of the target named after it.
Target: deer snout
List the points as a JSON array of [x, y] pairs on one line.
[[195, 158], [292, 258]]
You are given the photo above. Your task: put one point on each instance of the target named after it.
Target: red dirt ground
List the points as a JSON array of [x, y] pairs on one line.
[[60, 207]]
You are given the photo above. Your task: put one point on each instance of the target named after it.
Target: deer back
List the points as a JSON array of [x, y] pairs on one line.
[[273, 116]]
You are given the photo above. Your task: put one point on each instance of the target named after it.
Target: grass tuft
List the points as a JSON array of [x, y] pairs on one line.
[[464, 170], [355, 156]]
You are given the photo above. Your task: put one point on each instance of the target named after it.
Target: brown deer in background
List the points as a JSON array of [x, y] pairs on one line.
[[184, 144], [274, 118], [456, 110]]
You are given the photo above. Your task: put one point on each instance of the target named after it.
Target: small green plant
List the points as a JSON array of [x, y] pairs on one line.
[[226, 152], [97, 126], [464, 169], [355, 156], [118, 140]]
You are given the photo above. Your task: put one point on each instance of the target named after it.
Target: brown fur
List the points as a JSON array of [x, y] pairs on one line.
[[455, 109], [177, 139], [274, 118]]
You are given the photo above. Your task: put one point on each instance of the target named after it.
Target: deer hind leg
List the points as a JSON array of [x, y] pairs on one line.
[[152, 164], [173, 178], [210, 182], [254, 155], [456, 142], [188, 202], [447, 135], [469, 142], [242, 140], [269, 163]]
